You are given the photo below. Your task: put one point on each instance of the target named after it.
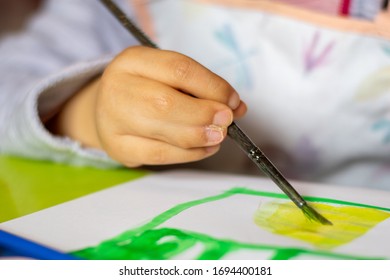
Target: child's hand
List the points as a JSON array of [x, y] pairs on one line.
[[152, 107]]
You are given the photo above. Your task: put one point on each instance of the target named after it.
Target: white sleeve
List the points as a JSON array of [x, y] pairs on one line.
[[65, 45]]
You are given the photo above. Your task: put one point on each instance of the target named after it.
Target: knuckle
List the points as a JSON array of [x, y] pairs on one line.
[[130, 51], [214, 84], [183, 68], [127, 58], [119, 59], [162, 103]]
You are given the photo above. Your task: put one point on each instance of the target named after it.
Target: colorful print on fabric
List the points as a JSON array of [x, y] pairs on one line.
[[225, 35], [375, 85], [314, 55], [383, 125]]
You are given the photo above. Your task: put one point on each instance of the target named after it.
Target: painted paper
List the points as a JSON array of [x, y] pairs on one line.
[[193, 215]]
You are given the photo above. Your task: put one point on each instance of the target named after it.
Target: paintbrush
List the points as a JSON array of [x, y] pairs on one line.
[[253, 152]]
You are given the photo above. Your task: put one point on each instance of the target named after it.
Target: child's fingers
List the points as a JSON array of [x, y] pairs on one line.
[[162, 113], [180, 72], [240, 111], [185, 137], [134, 151], [135, 99]]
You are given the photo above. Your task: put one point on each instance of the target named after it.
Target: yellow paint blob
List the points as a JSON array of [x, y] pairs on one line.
[[349, 222]]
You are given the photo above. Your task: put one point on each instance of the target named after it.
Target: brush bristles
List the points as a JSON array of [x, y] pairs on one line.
[[313, 215]]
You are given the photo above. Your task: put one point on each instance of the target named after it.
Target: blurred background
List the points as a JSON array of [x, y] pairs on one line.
[[13, 13]]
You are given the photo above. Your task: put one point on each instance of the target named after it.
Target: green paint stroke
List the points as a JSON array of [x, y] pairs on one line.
[[167, 243], [151, 242]]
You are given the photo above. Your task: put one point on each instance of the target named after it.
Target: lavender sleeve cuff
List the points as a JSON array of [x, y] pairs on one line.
[[28, 137]]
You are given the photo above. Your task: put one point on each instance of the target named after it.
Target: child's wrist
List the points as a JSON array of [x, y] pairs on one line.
[[76, 119]]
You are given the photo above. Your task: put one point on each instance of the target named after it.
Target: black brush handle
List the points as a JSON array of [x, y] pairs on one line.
[[265, 165]]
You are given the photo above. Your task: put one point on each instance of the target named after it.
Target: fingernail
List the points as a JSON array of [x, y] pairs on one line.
[[234, 101], [214, 134], [223, 118]]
